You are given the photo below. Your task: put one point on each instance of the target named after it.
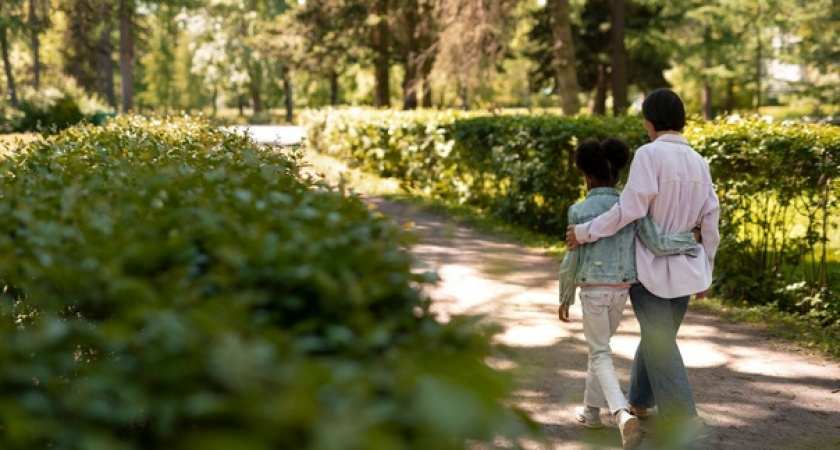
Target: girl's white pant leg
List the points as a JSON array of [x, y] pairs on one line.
[[602, 310]]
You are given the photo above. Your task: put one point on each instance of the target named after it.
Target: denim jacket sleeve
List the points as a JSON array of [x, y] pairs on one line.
[[568, 269], [665, 244]]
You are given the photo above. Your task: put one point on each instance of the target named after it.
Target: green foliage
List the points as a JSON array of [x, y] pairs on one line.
[[518, 168], [778, 186], [169, 285], [9, 118], [56, 108]]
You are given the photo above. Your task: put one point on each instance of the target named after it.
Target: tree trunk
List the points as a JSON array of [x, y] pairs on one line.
[[412, 56], [35, 29], [758, 68], [106, 60], [465, 103], [564, 55], [706, 99], [288, 94], [618, 57], [729, 104], [427, 57], [333, 87], [427, 92], [214, 99], [127, 54], [599, 103], [706, 93], [7, 66], [381, 58], [255, 87]]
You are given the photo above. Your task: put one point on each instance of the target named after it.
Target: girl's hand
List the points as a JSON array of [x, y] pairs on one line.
[[571, 240], [563, 313]]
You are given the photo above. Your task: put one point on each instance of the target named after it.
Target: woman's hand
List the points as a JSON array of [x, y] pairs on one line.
[[563, 313], [571, 240]]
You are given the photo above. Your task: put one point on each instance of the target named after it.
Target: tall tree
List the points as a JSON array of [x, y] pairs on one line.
[[11, 22], [618, 60], [36, 27], [334, 36], [7, 64], [411, 54], [817, 48], [564, 54], [473, 39], [381, 40], [648, 51], [106, 56], [127, 10]]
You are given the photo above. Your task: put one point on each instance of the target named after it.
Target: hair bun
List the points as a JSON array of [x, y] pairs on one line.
[[617, 152]]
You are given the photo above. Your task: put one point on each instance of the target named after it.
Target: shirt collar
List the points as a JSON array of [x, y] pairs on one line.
[[675, 138], [602, 191]]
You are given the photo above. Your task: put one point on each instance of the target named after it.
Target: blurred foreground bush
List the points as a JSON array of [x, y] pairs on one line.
[[171, 286]]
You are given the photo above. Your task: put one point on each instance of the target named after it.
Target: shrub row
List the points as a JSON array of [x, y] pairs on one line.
[[779, 187], [778, 183], [169, 285], [518, 168], [52, 109]]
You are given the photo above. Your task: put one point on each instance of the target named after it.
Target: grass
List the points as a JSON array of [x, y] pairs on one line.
[[806, 334]]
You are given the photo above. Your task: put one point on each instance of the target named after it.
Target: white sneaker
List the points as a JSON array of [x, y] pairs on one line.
[[589, 416], [630, 428]]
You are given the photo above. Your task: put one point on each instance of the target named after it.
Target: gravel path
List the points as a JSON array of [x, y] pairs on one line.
[[752, 391]]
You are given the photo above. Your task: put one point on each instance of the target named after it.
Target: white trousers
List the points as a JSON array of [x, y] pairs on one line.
[[602, 310]]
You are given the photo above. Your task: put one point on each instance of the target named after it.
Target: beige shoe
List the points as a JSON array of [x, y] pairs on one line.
[[630, 428], [589, 416]]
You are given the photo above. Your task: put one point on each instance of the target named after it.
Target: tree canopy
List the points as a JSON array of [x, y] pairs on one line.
[[257, 56]]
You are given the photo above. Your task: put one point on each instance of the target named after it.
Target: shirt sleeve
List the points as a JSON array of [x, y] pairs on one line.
[[568, 270], [709, 234], [641, 188], [665, 244]]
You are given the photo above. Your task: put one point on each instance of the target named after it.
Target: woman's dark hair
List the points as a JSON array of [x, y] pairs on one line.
[[602, 160], [664, 109]]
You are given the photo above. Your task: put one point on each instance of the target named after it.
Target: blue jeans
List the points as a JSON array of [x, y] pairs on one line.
[[659, 376]]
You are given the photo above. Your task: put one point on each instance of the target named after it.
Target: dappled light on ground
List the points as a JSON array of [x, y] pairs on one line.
[[752, 392]]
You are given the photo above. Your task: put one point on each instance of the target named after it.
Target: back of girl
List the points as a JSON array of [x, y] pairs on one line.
[[604, 271]]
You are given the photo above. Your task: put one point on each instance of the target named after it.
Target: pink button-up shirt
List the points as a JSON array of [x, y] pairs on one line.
[[671, 181]]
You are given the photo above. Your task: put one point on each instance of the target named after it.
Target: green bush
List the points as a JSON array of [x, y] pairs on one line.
[[518, 168], [53, 109], [169, 285], [778, 184]]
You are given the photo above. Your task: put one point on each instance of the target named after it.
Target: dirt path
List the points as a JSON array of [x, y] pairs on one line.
[[753, 392]]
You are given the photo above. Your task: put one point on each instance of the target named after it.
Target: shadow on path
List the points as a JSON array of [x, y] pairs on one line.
[[752, 393]]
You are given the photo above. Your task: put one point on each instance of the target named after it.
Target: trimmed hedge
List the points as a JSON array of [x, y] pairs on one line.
[[168, 285], [518, 168], [779, 187], [778, 184]]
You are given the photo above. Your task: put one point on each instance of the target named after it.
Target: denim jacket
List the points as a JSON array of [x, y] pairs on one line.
[[612, 260]]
